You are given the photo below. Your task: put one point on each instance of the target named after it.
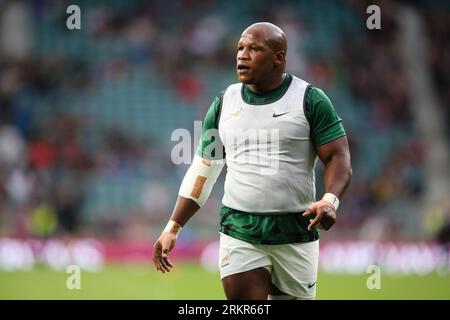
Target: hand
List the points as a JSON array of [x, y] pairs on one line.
[[324, 215], [161, 250]]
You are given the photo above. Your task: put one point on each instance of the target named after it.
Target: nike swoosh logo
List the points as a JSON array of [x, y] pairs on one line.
[[310, 285], [279, 115]]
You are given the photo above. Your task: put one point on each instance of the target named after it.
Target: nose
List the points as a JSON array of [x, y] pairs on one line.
[[243, 54]]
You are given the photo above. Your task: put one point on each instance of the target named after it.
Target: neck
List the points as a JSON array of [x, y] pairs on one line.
[[267, 86]]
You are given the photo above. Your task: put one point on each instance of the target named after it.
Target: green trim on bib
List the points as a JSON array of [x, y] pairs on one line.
[[254, 98]]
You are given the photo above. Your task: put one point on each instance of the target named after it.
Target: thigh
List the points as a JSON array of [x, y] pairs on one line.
[[248, 285], [294, 269], [244, 269], [237, 256]]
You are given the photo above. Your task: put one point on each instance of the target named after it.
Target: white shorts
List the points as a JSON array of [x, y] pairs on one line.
[[293, 267]]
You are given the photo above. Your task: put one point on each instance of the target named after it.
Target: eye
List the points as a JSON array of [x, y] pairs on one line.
[[240, 48]]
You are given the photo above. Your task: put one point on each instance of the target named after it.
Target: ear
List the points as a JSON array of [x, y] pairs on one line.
[[280, 57]]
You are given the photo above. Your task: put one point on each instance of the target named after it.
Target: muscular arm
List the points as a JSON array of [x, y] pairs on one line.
[[195, 188], [335, 156], [328, 136], [194, 191]]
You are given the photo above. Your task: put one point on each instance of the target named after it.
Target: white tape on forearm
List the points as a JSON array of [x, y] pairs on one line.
[[332, 199], [199, 179]]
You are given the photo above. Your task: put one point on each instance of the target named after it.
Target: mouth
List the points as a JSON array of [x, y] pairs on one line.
[[242, 68]]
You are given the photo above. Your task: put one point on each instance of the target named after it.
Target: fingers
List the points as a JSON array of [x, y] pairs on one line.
[[157, 251], [165, 265], [310, 211], [158, 265], [323, 213], [313, 223], [168, 262], [158, 261], [165, 262], [161, 257], [162, 263]]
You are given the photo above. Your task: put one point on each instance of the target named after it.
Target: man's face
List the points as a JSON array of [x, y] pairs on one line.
[[255, 59]]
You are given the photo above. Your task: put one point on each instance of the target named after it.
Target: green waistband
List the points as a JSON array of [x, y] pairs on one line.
[[266, 229]]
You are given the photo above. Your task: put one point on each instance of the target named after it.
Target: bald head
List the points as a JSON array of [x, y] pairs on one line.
[[261, 57], [270, 33]]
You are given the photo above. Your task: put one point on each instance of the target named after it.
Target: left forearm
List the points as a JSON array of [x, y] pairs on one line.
[[335, 155], [338, 173]]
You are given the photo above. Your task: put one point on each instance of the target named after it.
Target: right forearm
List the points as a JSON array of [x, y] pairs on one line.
[[195, 188], [184, 209]]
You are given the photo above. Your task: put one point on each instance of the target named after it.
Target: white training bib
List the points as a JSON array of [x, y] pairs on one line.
[[269, 154]]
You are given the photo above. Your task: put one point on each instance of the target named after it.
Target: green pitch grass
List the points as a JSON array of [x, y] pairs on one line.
[[191, 281]]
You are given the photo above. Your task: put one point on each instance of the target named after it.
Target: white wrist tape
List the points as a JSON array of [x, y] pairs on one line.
[[200, 178], [332, 199], [172, 227]]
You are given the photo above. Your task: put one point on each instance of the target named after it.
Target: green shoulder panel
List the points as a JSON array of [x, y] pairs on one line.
[[325, 123], [210, 146]]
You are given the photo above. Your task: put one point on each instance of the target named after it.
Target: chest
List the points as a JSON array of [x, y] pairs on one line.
[[282, 123]]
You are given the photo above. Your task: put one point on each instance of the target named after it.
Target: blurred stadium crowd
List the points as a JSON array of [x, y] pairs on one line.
[[86, 115]]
